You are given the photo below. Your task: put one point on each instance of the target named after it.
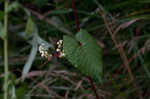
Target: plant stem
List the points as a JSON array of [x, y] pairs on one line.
[[121, 52], [75, 15], [6, 51], [93, 87], [78, 29]]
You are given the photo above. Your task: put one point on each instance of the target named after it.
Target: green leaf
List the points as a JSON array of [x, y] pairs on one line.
[[84, 53], [2, 33], [30, 59], [29, 26]]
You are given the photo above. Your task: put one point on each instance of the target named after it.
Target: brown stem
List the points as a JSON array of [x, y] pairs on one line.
[[121, 52], [120, 49], [75, 15], [93, 87]]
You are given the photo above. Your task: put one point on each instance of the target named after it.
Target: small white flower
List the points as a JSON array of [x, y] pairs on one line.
[[46, 53], [62, 54], [41, 48], [60, 41], [42, 55], [43, 51], [59, 46], [58, 50]]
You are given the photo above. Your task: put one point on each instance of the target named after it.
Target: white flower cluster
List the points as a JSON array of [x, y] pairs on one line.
[[43, 51], [59, 49]]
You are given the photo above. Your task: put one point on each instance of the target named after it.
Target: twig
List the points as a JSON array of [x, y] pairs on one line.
[[130, 60], [6, 51], [51, 22], [66, 94], [41, 95], [121, 52], [93, 87], [120, 49], [42, 85]]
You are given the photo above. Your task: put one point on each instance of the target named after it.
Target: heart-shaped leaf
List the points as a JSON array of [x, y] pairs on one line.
[[84, 53]]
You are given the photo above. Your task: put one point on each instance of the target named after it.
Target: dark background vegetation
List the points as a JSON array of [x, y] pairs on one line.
[[57, 78]]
